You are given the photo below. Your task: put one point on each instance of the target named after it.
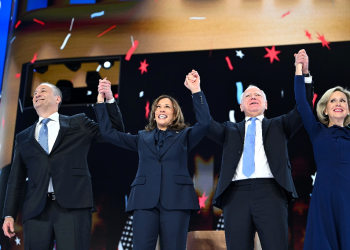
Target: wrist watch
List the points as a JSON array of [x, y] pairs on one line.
[[307, 74]]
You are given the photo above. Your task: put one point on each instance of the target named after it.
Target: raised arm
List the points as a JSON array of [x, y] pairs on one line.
[[201, 110], [106, 114], [303, 106]]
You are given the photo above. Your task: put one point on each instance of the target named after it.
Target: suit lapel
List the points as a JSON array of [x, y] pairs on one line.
[[33, 141], [148, 138], [241, 128], [265, 127], [64, 125], [170, 141]]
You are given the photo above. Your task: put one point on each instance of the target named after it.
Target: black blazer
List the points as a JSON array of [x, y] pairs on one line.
[[66, 164], [275, 132], [162, 177]]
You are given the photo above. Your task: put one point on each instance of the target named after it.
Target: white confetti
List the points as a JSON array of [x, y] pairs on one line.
[[239, 53], [141, 94], [197, 18], [65, 41], [232, 116]]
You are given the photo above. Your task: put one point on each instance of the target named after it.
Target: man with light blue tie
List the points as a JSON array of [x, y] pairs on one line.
[[255, 183], [52, 154]]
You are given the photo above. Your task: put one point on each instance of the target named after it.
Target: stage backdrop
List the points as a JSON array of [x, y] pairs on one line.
[[155, 44]]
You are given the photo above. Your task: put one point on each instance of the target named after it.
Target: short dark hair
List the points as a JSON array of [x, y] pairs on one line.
[[56, 91]]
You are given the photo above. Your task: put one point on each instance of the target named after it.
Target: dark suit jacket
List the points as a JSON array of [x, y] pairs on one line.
[[275, 132], [164, 176], [66, 164]]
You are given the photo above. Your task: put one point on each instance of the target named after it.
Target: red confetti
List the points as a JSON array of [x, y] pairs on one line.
[[286, 14], [229, 62], [323, 40], [147, 109], [116, 96], [18, 75], [202, 200], [308, 34], [314, 100], [131, 50], [38, 21], [3, 122], [272, 53], [143, 66], [34, 57], [17, 24], [104, 32]]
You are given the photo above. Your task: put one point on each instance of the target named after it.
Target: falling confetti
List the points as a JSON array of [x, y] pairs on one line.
[[20, 106], [239, 86], [38, 21], [34, 57], [308, 34], [282, 93], [98, 68], [18, 241], [229, 63], [104, 32], [13, 39], [141, 94], [272, 53], [131, 50], [147, 109], [197, 18], [314, 100], [116, 96], [17, 24], [143, 66], [202, 201], [3, 122], [65, 41], [239, 53], [96, 14], [18, 75], [71, 24], [286, 14], [231, 115], [323, 40], [313, 177]]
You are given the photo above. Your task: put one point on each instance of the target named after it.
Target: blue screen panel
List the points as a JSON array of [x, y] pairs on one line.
[[82, 1], [5, 12], [36, 4]]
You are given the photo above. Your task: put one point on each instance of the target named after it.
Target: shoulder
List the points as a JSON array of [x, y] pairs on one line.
[[25, 132]]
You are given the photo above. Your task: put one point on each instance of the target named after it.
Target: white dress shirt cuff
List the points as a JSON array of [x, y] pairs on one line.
[[110, 101], [308, 79]]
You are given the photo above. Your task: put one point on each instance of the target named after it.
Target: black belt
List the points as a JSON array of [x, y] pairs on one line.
[[51, 196]]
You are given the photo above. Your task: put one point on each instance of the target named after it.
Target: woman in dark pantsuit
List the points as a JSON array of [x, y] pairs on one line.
[[328, 222], [162, 197]]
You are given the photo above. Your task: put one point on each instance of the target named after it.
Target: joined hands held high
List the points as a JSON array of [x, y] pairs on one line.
[[104, 90], [192, 81]]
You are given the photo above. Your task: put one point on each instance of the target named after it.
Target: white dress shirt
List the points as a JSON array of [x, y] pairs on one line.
[[53, 127], [262, 168]]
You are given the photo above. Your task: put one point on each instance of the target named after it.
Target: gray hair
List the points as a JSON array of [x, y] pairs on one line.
[[56, 91], [322, 104], [253, 86]]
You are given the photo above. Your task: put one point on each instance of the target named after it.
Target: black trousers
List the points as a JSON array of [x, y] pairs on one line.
[[255, 205], [71, 228], [171, 225]]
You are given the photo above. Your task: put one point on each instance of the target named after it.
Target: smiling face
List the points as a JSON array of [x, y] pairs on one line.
[[164, 114], [253, 102], [44, 100], [337, 108]]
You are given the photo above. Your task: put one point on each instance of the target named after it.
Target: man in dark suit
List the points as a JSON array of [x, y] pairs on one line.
[[255, 183], [52, 154]]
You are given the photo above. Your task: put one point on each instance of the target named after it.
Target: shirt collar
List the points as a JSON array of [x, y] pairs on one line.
[[259, 117], [53, 117]]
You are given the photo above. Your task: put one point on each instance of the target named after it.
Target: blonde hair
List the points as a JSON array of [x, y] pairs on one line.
[[177, 124], [322, 104]]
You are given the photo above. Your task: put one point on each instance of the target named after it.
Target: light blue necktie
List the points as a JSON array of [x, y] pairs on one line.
[[43, 135], [249, 149]]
